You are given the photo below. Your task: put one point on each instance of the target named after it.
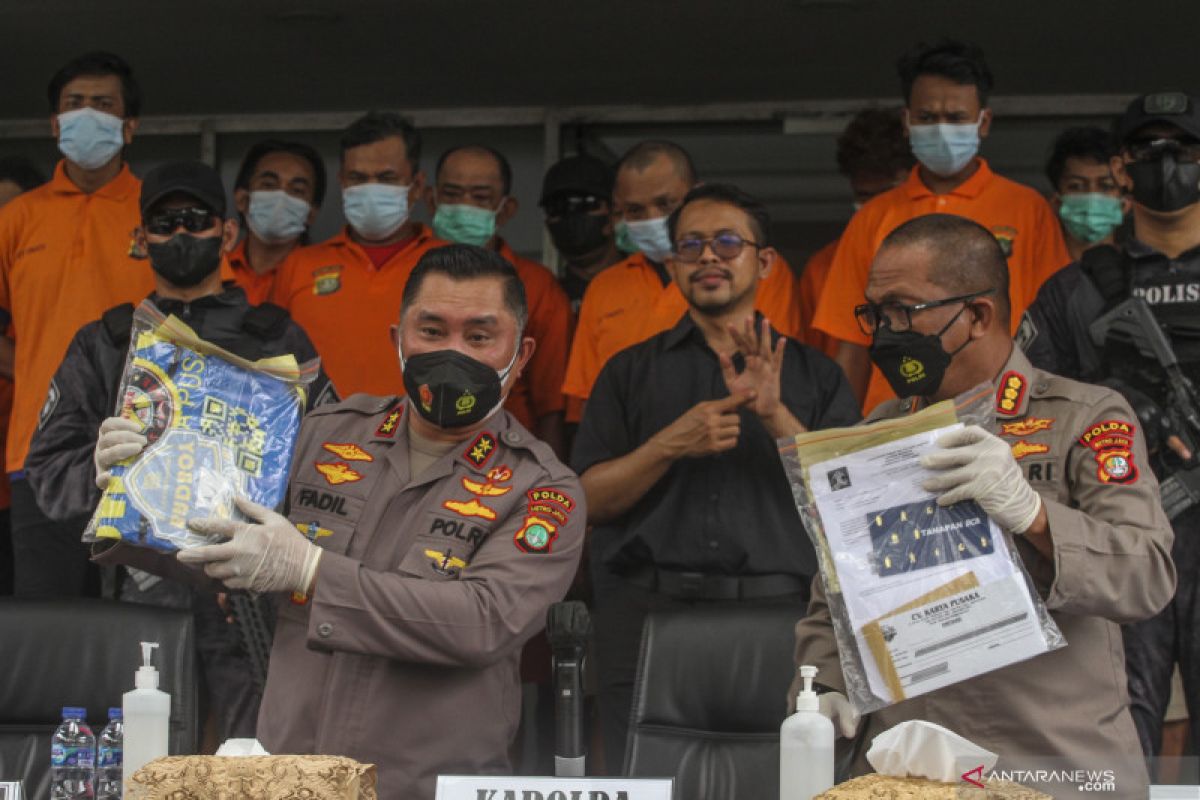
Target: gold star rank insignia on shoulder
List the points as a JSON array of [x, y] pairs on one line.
[[1011, 393], [480, 450]]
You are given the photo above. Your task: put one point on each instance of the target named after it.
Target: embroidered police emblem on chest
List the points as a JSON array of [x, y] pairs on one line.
[[1006, 237], [445, 563], [338, 473], [350, 452], [1023, 448], [327, 280], [1027, 426]]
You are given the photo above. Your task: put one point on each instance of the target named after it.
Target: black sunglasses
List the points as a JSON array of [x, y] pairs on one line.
[[192, 220], [564, 205]]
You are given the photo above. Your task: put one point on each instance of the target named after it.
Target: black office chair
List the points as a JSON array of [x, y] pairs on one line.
[[709, 699], [84, 653]]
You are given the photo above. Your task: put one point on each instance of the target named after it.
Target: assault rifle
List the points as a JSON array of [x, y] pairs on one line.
[[251, 615], [1133, 323]]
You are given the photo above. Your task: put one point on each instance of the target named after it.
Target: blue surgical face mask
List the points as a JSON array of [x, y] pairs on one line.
[[944, 149], [375, 210], [277, 217], [90, 138], [647, 236]]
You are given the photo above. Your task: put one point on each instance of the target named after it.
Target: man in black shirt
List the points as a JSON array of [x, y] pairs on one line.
[[677, 451], [1159, 164]]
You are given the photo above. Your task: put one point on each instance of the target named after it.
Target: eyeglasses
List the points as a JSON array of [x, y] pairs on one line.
[[898, 316], [1148, 149], [724, 245], [193, 220], [564, 205]]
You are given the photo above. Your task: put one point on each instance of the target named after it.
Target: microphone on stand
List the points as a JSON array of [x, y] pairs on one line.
[[568, 627]]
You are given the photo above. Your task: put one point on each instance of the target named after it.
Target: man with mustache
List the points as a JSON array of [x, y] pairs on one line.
[[677, 452]]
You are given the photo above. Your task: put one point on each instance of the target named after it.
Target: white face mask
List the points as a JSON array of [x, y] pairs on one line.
[[648, 236], [375, 210], [943, 148], [90, 138], [276, 217]]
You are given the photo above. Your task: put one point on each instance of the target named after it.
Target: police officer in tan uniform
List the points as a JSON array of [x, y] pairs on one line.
[[425, 538], [1064, 475]]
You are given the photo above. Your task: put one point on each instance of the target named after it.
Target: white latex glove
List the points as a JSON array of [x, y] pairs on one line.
[[268, 555], [119, 439], [976, 465], [840, 712]]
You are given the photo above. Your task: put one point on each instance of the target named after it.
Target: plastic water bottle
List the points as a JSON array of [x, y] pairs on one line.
[[108, 758], [72, 757]]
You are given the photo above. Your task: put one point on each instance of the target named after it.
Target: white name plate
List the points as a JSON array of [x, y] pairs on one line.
[[469, 787]]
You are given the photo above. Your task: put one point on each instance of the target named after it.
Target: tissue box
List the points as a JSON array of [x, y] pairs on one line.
[[886, 787], [259, 777]]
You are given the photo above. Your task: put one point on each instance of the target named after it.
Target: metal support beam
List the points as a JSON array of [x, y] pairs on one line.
[[795, 114], [831, 118], [208, 144], [551, 152]]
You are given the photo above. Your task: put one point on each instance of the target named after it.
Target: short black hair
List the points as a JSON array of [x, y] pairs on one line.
[[260, 150], [464, 262], [874, 143], [1089, 142], [375, 126], [643, 154], [21, 171], [95, 64], [506, 174], [760, 220], [961, 62], [966, 256]]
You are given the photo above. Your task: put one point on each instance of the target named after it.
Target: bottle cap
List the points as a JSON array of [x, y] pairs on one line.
[[147, 676], [74, 712], [807, 699], [115, 713]]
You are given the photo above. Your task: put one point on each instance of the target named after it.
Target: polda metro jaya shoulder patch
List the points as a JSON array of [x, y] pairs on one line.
[[1111, 442]]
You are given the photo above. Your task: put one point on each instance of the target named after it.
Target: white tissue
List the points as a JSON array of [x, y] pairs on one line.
[[241, 747], [925, 750]]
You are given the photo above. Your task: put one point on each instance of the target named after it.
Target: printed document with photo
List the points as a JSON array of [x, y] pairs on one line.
[[933, 594]]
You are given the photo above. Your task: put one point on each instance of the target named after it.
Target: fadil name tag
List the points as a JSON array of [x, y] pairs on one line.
[[466, 787]]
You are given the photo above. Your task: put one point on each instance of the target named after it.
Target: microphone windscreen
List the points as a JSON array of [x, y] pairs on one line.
[[568, 624]]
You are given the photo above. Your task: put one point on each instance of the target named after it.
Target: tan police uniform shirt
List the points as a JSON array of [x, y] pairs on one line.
[[1067, 709], [406, 655]]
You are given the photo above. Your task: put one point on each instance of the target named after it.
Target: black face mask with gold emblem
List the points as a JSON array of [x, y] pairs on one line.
[[451, 390], [913, 363]]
